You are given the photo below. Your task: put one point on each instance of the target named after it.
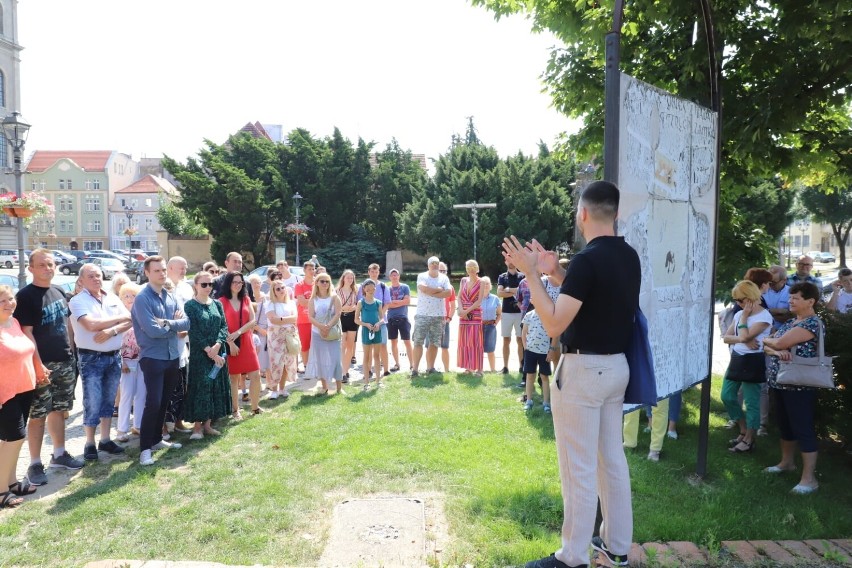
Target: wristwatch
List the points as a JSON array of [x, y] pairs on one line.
[[167, 327]]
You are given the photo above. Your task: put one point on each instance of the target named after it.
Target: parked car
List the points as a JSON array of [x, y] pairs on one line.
[[8, 258], [262, 270], [148, 253], [78, 254], [107, 254], [9, 280], [62, 257], [823, 257], [136, 272], [109, 266]]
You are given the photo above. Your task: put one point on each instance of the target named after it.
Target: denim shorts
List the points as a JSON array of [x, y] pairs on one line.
[[101, 374], [58, 396]]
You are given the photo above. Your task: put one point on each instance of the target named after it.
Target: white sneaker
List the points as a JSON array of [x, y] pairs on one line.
[[145, 458], [672, 434], [762, 431], [273, 395], [164, 445], [196, 436], [528, 405]]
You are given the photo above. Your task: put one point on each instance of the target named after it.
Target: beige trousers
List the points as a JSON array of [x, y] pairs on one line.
[[587, 395]]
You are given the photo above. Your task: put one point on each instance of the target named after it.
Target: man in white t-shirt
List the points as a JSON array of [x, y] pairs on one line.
[[841, 292], [287, 278], [432, 288]]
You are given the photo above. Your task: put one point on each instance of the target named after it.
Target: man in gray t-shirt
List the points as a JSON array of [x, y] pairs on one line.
[[432, 288]]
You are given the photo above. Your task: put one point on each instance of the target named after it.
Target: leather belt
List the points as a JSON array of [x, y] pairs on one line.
[[93, 352], [573, 351], [489, 322]]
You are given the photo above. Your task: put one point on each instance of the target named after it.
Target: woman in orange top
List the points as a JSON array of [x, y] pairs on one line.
[[22, 370]]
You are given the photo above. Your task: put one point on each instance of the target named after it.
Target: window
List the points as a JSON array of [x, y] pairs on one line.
[[88, 184], [69, 184], [62, 227], [96, 184], [93, 204], [61, 205], [97, 204], [89, 227], [149, 224], [34, 185], [62, 184], [134, 203], [96, 226], [2, 76], [147, 202], [70, 226], [93, 245], [121, 226], [123, 203]]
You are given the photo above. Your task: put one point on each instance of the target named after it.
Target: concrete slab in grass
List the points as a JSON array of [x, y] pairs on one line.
[[377, 532]]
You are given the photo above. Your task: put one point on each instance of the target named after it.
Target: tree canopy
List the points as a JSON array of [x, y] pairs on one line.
[[786, 77]]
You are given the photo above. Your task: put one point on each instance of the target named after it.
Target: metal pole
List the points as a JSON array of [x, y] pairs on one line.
[[298, 260], [17, 153], [612, 95], [473, 211]]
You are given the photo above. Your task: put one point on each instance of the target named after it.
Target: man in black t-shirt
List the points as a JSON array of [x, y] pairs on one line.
[[233, 263], [43, 313], [594, 316], [507, 287]]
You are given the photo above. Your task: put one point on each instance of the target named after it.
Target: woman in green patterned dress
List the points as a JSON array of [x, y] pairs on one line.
[[207, 398]]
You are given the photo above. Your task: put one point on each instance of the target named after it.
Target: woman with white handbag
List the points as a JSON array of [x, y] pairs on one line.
[[795, 404]]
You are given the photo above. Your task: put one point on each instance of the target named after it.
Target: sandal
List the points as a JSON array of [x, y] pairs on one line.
[[21, 488], [9, 501], [737, 440], [738, 450], [257, 411], [237, 416]]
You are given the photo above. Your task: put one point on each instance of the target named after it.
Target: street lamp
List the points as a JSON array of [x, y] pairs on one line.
[[804, 225], [297, 200], [128, 210], [474, 207], [15, 130]]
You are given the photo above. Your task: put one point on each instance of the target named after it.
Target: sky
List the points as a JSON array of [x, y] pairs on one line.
[[158, 77]]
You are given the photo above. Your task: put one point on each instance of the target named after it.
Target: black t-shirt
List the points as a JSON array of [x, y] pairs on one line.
[[509, 280], [46, 311], [605, 276]]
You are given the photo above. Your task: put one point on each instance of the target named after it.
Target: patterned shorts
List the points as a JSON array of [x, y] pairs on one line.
[[59, 394]]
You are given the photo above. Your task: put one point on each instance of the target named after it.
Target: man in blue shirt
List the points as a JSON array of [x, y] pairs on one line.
[[156, 323]]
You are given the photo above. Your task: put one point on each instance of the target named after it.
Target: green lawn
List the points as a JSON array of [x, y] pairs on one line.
[[256, 494]]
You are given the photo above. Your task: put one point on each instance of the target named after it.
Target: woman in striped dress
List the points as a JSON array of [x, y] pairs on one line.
[[471, 294]]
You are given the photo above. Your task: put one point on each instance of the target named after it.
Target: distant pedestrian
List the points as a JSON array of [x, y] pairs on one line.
[[471, 294], [432, 286], [369, 315], [507, 288], [397, 316], [491, 316], [324, 313], [348, 293], [242, 357]]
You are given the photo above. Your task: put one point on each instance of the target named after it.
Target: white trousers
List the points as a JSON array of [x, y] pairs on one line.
[[132, 389], [587, 411]]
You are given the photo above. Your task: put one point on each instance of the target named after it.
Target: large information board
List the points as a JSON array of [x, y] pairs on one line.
[[667, 178]]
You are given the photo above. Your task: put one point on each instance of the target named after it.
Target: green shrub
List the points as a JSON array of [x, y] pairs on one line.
[[356, 253], [834, 408]]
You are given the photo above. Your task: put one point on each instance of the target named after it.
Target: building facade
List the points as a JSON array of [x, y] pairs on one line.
[[10, 100], [82, 186], [135, 207]]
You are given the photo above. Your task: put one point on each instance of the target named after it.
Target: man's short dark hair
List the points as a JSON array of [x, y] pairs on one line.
[[150, 259], [600, 198]]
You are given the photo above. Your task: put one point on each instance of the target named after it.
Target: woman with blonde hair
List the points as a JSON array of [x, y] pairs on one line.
[[131, 388], [747, 369], [281, 331], [348, 292], [471, 293], [324, 314]]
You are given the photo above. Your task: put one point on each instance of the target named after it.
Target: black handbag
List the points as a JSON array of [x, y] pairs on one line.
[[748, 368]]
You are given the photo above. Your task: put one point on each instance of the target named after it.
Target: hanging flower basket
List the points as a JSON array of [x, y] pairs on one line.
[[31, 204], [130, 231], [297, 229]]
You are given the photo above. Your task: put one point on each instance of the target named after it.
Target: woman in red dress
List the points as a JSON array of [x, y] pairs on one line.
[[242, 358], [471, 349]]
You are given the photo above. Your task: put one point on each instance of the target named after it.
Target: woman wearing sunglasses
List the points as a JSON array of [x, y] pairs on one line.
[[207, 398], [242, 358]]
